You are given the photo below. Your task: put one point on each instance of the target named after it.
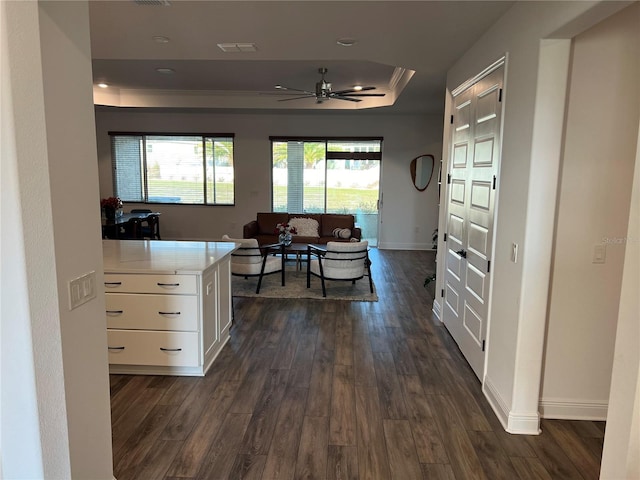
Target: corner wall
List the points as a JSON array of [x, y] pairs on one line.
[[55, 403], [517, 319], [405, 136], [593, 210]]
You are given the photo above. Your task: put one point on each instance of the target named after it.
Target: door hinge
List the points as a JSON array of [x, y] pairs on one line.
[[451, 119], [445, 237], [448, 178], [500, 95], [483, 343], [442, 292], [488, 266], [494, 182]]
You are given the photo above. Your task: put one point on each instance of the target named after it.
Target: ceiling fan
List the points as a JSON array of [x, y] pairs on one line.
[[323, 91]]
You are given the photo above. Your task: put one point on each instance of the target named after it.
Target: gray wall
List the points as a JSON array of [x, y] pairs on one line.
[[408, 217]]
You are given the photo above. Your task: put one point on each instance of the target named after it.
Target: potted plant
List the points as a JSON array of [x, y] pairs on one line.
[[110, 206]]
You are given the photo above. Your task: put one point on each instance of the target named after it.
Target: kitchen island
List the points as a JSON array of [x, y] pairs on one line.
[[168, 305]]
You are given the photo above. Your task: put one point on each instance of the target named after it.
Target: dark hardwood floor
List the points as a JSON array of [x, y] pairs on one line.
[[337, 390]]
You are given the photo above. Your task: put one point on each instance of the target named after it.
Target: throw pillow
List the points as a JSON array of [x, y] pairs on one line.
[[342, 232], [305, 227]]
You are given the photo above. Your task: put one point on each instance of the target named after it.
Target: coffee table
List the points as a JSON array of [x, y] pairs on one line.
[[297, 249]]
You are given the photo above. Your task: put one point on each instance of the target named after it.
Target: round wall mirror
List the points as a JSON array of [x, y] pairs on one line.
[[421, 171]]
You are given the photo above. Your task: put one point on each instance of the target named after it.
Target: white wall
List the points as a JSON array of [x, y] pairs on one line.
[[516, 331], [55, 403], [405, 137], [593, 205], [621, 453]]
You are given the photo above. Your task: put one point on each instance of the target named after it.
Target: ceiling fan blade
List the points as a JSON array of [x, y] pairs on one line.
[[366, 94], [282, 88], [297, 98], [283, 94], [339, 97], [354, 90]]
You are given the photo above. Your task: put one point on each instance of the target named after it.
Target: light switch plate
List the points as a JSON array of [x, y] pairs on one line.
[[82, 289], [599, 253]]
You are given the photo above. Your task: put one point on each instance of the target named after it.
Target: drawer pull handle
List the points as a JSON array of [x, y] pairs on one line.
[[169, 313], [114, 312], [112, 284], [170, 349], [115, 348], [168, 284]]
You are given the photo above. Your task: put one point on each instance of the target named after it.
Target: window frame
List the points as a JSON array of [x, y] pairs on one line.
[[329, 155], [144, 173]]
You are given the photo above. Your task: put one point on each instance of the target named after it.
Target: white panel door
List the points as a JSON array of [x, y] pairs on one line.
[[473, 167]]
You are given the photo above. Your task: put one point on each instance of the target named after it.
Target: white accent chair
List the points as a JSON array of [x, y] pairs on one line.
[[339, 261], [251, 260]]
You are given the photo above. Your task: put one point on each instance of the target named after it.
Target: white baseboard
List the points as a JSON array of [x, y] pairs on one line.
[[495, 400], [516, 423], [569, 409], [524, 423], [436, 309]]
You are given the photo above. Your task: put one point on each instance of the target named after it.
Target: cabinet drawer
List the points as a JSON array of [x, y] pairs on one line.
[[143, 347], [165, 284], [152, 312]]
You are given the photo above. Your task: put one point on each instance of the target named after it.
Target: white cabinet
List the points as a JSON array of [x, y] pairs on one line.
[[165, 323]]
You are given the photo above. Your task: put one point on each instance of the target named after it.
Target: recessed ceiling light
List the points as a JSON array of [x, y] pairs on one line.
[[166, 71], [161, 39], [346, 42], [357, 88], [103, 85]]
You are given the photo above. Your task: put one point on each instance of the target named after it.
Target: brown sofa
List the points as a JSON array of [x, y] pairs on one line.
[[263, 228]]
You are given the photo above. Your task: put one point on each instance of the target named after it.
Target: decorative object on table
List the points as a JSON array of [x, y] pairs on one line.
[[285, 233], [111, 207]]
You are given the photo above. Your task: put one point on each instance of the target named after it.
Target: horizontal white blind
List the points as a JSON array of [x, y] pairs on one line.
[[186, 169], [126, 162]]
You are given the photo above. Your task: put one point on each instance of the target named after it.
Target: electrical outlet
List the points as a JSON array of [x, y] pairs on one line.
[[82, 289]]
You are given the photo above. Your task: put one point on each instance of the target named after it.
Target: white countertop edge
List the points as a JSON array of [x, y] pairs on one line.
[[163, 257]]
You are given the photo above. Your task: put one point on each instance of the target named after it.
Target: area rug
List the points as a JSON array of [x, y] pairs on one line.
[[296, 287]]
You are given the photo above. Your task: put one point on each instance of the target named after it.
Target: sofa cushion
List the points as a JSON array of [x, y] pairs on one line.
[[332, 221], [305, 226], [267, 221], [342, 232]]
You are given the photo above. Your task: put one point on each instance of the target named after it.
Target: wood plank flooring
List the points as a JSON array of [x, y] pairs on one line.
[[339, 391]]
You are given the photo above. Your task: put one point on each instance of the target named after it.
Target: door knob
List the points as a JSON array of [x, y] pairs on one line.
[[462, 253]]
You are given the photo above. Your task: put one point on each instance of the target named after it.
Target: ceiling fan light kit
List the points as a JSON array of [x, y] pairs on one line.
[[324, 92]]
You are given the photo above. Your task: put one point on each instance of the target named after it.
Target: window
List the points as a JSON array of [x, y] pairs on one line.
[[328, 176], [318, 176], [184, 169]]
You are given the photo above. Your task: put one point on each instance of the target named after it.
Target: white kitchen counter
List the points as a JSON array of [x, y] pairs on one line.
[[163, 257], [168, 305]]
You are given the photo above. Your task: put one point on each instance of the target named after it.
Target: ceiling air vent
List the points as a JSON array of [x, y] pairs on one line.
[[237, 47], [153, 3]]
